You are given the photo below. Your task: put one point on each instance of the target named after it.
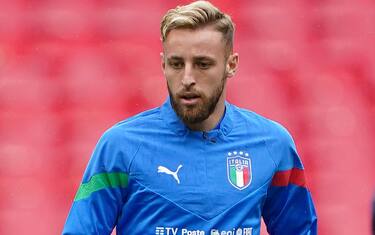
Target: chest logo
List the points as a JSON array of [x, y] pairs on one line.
[[239, 169], [163, 169]]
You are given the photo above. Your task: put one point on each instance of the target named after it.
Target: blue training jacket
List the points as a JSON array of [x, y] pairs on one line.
[[150, 174]]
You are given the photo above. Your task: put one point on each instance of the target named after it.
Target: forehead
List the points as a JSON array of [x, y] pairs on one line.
[[204, 41]]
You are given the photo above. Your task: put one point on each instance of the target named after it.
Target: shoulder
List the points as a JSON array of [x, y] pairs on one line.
[[271, 129], [128, 134], [146, 118], [134, 124], [277, 139], [119, 144]]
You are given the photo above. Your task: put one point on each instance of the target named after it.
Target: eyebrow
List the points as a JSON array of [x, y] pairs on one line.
[[174, 57], [204, 58]]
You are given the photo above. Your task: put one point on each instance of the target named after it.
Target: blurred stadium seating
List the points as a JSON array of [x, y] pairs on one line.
[[71, 69]]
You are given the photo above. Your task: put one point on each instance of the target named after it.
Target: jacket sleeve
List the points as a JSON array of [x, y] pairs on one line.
[[100, 196], [288, 208]]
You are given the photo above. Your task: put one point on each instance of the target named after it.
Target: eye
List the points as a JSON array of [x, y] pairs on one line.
[[203, 65], [176, 64]]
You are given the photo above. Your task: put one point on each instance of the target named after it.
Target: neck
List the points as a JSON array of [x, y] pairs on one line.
[[212, 121]]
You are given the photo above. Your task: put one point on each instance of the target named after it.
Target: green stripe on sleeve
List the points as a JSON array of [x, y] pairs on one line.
[[101, 181]]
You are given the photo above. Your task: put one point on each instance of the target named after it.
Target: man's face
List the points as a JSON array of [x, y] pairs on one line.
[[195, 67]]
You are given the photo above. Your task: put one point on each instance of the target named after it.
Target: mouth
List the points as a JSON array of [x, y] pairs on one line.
[[189, 98]]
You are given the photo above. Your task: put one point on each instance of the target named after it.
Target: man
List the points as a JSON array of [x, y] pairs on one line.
[[197, 164]]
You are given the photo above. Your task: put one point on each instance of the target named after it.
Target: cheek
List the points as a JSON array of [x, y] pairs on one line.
[[213, 79], [172, 82], [172, 76]]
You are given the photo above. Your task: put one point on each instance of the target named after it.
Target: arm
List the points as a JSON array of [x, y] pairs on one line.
[[99, 199], [288, 208]]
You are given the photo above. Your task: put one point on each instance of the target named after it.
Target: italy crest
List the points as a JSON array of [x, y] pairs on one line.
[[239, 169]]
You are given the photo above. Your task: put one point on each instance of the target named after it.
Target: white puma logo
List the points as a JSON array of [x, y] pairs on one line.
[[163, 169]]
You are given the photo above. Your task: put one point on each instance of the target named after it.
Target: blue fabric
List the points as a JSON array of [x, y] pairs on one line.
[[217, 127], [200, 197]]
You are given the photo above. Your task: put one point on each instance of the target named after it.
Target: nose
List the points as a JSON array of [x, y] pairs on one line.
[[188, 79]]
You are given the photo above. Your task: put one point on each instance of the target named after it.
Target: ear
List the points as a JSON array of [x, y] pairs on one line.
[[162, 61], [232, 64]]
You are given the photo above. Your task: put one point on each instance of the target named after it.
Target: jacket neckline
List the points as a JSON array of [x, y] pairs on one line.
[[170, 117]]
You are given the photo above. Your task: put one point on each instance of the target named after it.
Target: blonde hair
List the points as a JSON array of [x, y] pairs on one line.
[[195, 15]]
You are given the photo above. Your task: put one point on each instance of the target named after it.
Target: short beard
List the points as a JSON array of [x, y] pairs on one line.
[[201, 111]]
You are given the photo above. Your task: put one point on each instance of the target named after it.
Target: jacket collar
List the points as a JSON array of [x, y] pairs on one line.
[[170, 118]]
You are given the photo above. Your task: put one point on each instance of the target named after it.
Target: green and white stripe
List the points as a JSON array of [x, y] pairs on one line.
[[236, 177]]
